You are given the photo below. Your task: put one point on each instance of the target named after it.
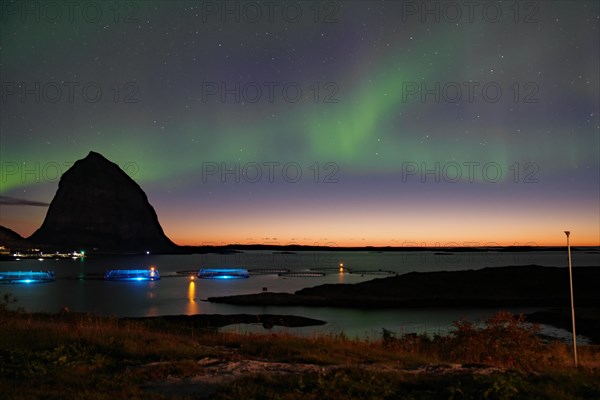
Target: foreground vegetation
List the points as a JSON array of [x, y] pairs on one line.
[[81, 356]]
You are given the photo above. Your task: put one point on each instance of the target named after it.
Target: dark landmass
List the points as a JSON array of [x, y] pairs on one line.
[[294, 249], [98, 206], [95, 251], [514, 286], [207, 321], [587, 320], [289, 249], [12, 240]]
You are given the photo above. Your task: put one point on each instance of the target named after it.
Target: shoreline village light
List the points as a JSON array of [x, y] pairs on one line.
[[341, 267], [568, 233]]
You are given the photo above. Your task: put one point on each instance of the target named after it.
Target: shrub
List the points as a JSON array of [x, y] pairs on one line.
[[505, 340]]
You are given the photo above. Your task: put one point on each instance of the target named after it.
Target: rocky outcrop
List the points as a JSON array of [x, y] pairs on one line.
[[513, 286], [98, 206]]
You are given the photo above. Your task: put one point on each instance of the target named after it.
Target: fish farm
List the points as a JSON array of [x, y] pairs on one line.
[[132, 275], [223, 273], [26, 276]]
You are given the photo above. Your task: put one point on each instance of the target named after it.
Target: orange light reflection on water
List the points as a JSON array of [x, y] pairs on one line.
[[192, 305]]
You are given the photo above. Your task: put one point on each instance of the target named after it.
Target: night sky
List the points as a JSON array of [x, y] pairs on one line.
[[333, 123]]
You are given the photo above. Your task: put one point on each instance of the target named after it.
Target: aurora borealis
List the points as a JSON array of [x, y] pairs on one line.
[[342, 123]]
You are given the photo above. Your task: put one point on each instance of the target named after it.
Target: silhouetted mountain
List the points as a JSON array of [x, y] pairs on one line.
[[12, 240], [97, 205]]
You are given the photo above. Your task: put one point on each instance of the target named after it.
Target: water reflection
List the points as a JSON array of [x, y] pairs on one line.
[[341, 273], [154, 310], [150, 292], [192, 306]]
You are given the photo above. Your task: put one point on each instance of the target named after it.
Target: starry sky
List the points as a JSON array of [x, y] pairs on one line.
[[332, 123]]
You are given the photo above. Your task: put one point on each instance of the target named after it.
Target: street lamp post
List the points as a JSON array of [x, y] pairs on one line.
[[572, 302]]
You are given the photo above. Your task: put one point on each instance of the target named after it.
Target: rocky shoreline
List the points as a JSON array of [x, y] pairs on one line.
[[514, 286], [587, 320], [213, 321]]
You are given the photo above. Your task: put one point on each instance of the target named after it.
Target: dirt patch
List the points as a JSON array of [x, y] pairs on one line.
[[217, 372]]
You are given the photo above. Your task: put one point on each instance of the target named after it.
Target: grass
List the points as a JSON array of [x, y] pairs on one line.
[[81, 356], [353, 383]]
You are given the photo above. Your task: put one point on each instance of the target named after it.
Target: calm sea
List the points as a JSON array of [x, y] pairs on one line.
[[80, 287]]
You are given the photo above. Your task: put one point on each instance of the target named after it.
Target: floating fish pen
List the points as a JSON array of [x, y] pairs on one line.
[[268, 271], [187, 272], [329, 270], [26, 276], [302, 274], [223, 273], [132, 275]]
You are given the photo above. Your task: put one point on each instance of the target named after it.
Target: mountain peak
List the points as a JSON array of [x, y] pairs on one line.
[[94, 155], [97, 205]]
